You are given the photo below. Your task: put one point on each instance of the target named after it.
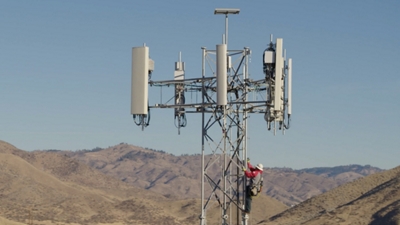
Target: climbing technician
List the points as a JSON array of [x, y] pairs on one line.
[[254, 175]]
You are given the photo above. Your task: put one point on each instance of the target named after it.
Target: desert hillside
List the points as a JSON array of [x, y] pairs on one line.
[[179, 176], [373, 200], [95, 187], [65, 191], [46, 187]]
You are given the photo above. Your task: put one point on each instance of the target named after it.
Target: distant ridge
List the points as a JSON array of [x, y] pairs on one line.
[[334, 171], [179, 176]]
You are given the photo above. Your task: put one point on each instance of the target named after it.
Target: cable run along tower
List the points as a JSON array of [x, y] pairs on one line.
[[225, 96]]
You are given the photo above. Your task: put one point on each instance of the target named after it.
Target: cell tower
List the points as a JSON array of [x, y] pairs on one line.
[[225, 96]]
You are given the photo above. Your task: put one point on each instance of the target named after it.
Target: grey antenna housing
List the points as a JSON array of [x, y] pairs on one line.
[[142, 66]]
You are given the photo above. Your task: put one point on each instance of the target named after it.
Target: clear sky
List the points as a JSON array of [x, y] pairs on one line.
[[65, 69]]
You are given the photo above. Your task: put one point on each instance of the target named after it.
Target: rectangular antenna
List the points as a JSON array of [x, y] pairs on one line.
[[278, 101], [140, 76]]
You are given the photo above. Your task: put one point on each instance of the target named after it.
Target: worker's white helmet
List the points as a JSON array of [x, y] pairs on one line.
[[260, 166]]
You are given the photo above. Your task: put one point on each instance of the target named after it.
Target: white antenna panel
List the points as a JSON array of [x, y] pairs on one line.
[[229, 62], [269, 57], [222, 79], [140, 76], [289, 86], [179, 75], [278, 101]]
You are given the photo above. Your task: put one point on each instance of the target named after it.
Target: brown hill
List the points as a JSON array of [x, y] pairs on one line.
[[374, 199], [292, 187], [179, 176], [51, 188], [26, 190], [148, 169]]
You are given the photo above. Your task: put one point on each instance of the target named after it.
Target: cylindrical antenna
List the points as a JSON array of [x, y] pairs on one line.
[[271, 38], [221, 75]]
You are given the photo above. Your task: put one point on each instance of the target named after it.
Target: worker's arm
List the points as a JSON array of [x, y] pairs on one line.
[[251, 174], [251, 167]]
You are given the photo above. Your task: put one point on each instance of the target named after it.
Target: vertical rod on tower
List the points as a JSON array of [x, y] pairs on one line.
[[221, 53], [203, 215], [238, 163], [244, 155], [226, 12], [289, 86], [226, 29], [224, 169]]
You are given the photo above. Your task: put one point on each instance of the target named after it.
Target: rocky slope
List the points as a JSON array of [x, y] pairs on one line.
[[374, 199]]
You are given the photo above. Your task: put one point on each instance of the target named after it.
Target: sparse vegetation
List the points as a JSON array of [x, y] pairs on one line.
[[65, 190]]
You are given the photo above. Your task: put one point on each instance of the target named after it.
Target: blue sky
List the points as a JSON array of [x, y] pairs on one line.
[[65, 69]]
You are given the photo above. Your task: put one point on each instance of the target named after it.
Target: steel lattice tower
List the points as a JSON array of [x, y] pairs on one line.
[[228, 96]]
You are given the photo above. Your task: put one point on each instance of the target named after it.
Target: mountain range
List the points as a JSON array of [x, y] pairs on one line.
[[179, 176], [126, 184]]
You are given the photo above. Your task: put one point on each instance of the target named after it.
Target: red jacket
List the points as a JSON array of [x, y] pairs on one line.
[[253, 171]]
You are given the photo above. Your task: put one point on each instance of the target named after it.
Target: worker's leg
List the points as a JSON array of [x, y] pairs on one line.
[[247, 205]]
